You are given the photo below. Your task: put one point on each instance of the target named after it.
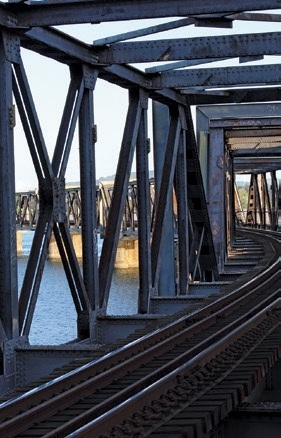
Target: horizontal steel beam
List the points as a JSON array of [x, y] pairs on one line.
[[220, 77], [249, 133], [270, 94], [63, 48], [68, 12], [260, 153], [239, 45], [256, 164]]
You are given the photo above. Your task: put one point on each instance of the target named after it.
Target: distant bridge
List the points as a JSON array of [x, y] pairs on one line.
[[27, 207], [262, 210]]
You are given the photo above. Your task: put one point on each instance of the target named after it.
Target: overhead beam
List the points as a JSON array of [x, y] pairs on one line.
[[254, 154], [144, 31], [254, 132], [253, 16], [68, 12], [239, 45], [180, 64], [220, 77], [61, 47], [256, 164], [7, 18], [243, 95]]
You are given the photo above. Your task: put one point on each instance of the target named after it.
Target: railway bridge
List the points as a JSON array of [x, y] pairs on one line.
[[201, 356]]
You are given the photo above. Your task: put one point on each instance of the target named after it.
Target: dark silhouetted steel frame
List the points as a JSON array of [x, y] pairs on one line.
[[26, 25]]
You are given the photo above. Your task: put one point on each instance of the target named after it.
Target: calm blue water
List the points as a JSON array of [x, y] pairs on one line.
[[54, 320]]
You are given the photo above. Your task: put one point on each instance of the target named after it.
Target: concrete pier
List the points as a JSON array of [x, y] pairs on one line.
[[127, 253], [126, 257], [53, 252], [19, 242]]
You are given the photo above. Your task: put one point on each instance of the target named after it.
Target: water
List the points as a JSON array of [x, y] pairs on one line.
[[54, 320]]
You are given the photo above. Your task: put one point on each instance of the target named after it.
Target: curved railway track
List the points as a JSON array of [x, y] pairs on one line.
[[186, 376]]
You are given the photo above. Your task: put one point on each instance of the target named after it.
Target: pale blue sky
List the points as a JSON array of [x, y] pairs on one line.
[[49, 83]]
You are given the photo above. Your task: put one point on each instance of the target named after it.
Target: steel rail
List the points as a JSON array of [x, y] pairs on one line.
[[103, 425], [93, 374], [123, 353]]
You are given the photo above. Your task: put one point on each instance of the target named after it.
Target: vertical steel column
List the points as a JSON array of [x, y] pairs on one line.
[[8, 253], [202, 257], [229, 200], [87, 140], [216, 195], [251, 208], [144, 216], [265, 202], [254, 210], [182, 211], [116, 212], [274, 200], [239, 213], [165, 155]]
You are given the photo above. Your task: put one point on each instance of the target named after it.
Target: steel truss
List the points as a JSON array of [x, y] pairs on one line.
[[26, 25], [262, 211]]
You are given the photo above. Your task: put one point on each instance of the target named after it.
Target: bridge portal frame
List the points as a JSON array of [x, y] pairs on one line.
[[214, 125]]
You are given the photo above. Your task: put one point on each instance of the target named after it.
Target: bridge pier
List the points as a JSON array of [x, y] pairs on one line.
[[127, 255], [53, 252], [76, 238], [19, 242]]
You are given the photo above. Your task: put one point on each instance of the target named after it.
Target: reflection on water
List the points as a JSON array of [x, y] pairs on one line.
[[54, 320]]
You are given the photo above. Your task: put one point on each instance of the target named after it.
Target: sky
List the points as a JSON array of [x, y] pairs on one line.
[[49, 82]]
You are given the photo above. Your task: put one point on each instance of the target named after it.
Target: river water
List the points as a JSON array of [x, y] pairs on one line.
[[54, 320]]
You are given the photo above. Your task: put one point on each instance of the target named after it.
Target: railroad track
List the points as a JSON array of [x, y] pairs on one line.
[[186, 375]]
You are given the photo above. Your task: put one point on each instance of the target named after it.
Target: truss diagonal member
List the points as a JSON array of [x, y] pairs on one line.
[[34, 270], [116, 211], [196, 253], [27, 131], [165, 190], [37, 145], [67, 127], [64, 47], [145, 31], [265, 202], [71, 267], [182, 64]]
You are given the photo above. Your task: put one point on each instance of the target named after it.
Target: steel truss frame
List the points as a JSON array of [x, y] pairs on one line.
[[26, 25], [262, 211]]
